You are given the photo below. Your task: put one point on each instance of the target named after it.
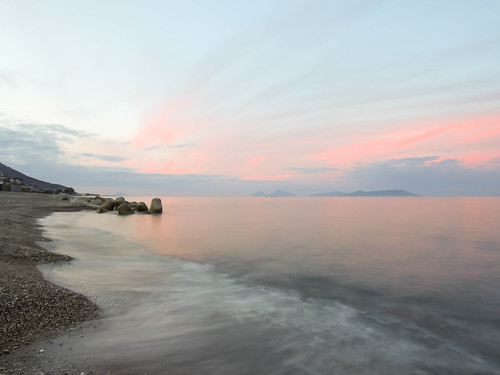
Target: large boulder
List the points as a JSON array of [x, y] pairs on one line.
[[156, 207], [101, 210], [95, 202], [98, 198], [79, 201], [108, 205], [119, 201], [125, 209], [142, 207]]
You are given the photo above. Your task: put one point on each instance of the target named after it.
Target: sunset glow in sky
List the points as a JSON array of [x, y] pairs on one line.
[[231, 97]]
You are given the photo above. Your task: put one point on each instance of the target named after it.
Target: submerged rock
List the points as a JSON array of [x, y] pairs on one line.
[[156, 207]]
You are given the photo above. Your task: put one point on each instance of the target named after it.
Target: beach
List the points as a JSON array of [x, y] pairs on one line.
[[31, 308]]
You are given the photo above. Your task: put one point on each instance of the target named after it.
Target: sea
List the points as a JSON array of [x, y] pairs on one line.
[[296, 285]]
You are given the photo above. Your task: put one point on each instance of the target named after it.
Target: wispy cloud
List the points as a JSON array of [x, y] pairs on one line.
[[110, 158], [312, 170], [35, 144], [167, 147], [275, 177], [416, 140], [26, 143], [61, 129]]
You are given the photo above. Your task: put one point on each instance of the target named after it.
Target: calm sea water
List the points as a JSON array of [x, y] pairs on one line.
[[289, 285]]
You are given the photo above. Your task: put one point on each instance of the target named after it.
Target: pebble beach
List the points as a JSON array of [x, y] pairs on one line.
[[31, 308]]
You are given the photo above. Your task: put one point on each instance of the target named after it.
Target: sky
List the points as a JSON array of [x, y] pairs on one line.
[[215, 97]]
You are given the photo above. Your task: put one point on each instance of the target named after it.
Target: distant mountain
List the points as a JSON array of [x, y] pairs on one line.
[[361, 193], [383, 193], [41, 185], [281, 193], [277, 193], [259, 194]]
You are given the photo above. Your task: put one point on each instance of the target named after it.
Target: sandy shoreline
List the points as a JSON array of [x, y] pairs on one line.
[[31, 308]]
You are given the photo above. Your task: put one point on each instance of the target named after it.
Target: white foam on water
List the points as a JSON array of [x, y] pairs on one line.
[[166, 313]]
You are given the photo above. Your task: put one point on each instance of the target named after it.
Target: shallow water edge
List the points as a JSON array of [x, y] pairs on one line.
[[169, 312]]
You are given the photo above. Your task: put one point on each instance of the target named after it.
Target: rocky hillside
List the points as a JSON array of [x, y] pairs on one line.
[[27, 180]]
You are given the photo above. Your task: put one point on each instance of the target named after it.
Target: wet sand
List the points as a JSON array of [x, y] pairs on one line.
[[31, 308]]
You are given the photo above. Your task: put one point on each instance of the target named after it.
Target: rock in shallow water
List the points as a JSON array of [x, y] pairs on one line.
[[108, 204], [142, 207], [156, 206], [119, 201], [125, 209]]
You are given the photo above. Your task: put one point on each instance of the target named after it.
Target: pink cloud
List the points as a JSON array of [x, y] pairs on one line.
[[488, 130], [256, 160], [167, 125], [276, 177], [188, 163], [169, 168], [253, 155], [450, 135], [480, 159]]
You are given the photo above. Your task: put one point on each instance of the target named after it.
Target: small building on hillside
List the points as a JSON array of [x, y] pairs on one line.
[[16, 188]]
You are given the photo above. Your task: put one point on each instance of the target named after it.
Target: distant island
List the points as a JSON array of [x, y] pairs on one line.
[[276, 193], [361, 193]]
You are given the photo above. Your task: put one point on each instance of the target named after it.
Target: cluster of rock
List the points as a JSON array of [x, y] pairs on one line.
[[124, 207], [120, 205]]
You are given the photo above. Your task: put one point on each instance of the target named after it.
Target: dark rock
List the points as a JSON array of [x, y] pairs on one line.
[[156, 206], [101, 210], [108, 205], [142, 207], [118, 201], [94, 203], [124, 209]]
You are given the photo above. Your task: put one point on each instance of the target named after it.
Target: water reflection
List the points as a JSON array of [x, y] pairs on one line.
[[394, 246], [418, 277]]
